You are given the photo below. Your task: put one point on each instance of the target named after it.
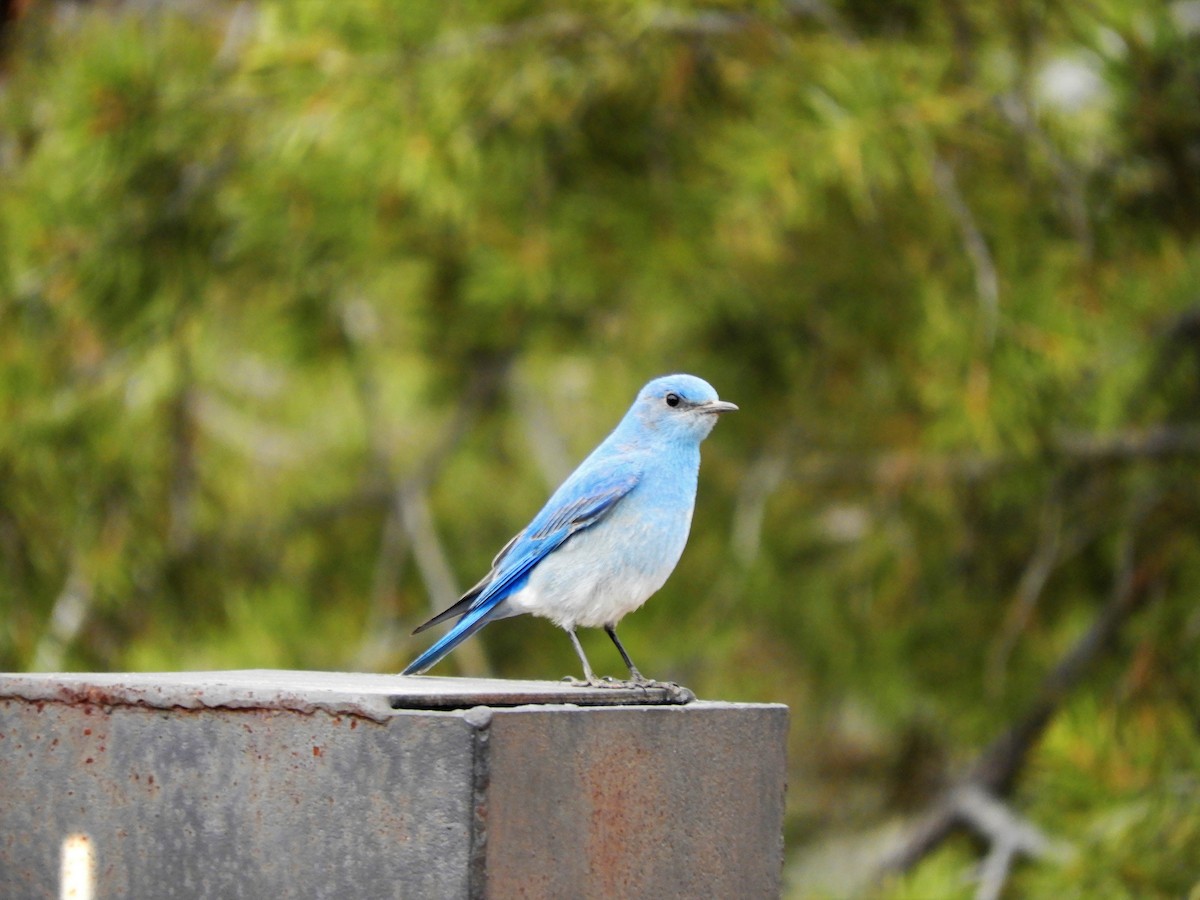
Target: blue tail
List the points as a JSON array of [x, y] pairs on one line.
[[466, 626]]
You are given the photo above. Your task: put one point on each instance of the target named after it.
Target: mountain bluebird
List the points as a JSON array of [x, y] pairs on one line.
[[609, 536]]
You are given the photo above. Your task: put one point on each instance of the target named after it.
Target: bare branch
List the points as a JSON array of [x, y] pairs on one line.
[[409, 523], [987, 282], [1159, 443], [899, 467], [381, 634], [1007, 835], [239, 31], [67, 616], [1045, 559], [544, 440], [554, 26], [181, 500], [764, 477], [824, 14], [998, 765], [1072, 184], [567, 26]]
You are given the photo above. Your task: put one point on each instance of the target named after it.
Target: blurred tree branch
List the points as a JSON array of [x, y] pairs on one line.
[[761, 480], [408, 524], [1133, 445], [1055, 544], [987, 281], [546, 444], [996, 769], [67, 617], [1007, 835]]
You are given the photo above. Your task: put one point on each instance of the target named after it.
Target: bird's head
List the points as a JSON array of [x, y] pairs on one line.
[[680, 406]]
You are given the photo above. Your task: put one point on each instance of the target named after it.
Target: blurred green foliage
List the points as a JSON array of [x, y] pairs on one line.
[[304, 307]]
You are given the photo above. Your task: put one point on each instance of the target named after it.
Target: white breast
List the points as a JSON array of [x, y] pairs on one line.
[[605, 572]]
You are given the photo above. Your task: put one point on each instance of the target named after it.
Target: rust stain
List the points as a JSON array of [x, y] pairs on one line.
[[625, 814], [91, 699]]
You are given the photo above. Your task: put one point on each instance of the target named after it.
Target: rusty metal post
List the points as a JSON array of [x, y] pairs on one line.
[[302, 784]]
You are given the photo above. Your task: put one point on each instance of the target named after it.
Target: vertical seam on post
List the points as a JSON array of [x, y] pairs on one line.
[[780, 847], [479, 719]]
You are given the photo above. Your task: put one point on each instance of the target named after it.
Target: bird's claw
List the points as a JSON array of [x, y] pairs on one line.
[[592, 682], [605, 681], [676, 693]]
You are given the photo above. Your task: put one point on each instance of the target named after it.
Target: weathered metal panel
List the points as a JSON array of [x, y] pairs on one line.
[[638, 802], [235, 803], [300, 784]]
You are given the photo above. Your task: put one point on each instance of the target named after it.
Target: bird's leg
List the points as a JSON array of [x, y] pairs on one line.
[[590, 678], [676, 692], [634, 675]]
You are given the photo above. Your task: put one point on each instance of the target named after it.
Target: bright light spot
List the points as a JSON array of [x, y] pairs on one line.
[[1070, 84], [77, 874], [846, 523]]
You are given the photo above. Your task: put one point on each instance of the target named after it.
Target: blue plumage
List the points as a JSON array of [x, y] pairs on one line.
[[610, 535]]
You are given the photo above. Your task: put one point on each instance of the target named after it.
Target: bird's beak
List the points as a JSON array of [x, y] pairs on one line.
[[717, 406]]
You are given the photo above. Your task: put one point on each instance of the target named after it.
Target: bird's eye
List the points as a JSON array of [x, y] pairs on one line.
[[672, 399]]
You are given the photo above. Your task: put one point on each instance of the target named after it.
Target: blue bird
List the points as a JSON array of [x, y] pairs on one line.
[[610, 535]]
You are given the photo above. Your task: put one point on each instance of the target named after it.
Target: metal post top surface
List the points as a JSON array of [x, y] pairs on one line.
[[377, 697]]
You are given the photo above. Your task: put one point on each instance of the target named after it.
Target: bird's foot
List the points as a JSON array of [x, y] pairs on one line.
[[594, 682], [675, 693]]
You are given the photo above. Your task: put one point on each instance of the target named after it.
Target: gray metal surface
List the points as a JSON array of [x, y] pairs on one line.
[[374, 696], [650, 802], [302, 784]]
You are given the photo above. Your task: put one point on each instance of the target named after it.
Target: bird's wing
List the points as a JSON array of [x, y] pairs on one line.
[[558, 520], [551, 528], [580, 503]]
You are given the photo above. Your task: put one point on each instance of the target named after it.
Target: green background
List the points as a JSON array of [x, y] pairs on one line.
[[305, 308]]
